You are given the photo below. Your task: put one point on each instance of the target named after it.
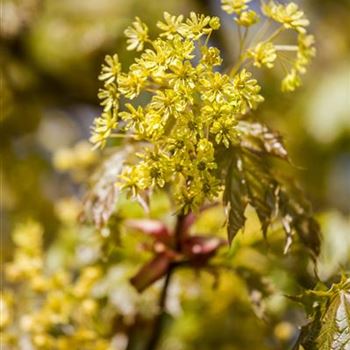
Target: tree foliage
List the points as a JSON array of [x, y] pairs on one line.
[[329, 318], [181, 165]]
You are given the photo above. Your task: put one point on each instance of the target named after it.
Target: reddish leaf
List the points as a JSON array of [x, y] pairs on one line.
[[199, 249], [154, 228], [152, 271], [100, 201]]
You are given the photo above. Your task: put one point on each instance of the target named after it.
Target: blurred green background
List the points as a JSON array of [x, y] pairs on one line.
[[51, 53]]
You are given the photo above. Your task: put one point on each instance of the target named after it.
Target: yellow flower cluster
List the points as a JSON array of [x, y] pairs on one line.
[[186, 108], [265, 52], [57, 311], [235, 6], [78, 158], [63, 296], [289, 15], [77, 161]]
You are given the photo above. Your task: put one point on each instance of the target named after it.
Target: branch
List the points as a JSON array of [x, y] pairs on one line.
[[159, 321]]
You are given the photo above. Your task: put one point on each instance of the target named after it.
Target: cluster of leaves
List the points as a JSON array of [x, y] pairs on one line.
[[251, 179], [329, 317]]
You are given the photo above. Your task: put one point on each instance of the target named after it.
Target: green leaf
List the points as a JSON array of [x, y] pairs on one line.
[[235, 201], [248, 182], [329, 326], [250, 179], [296, 215], [258, 138], [329, 329]]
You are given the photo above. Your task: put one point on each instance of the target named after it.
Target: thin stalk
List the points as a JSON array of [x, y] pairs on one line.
[[159, 321], [245, 35], [122, 136], [286, 47], [240, 40], [275, 34]]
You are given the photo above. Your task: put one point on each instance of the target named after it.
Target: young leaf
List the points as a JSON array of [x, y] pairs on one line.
[[249, 182], [258, 138], [99, 203], [329, 328], [152, 271], [296, 215]]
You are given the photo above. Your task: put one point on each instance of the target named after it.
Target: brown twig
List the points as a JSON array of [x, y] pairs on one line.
[[159, 321]]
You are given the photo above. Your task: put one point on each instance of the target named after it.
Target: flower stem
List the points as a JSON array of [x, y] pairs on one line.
[[159, 321]]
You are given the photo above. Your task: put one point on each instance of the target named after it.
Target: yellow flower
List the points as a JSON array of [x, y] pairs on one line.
[[167, 103], [137, 35], [183, 76], [247, 18], [189, 200], [111, 69], [291, 81], [196, 26], [210, 57], [247, 91], [287, 14], [264, 54], [130, 84], [109, 97], [156, 61], [185, 106], [102, 128], [155, 169], [234, 6], [130, 180], [154, 125], [171, 25], [306, 51], [134, 118], [224, 131], [215, 86]]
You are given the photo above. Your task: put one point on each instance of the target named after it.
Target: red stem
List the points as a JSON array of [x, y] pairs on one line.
[[159, 321]]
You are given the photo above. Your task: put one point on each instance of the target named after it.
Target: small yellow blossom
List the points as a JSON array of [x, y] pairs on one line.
[[215, 87], [171, 25], [130, 85], [111, 69], [287, 14], [137, 35], [103, 127], [234, 6], [109, 97], [197, 25], [248, 91], [291, 81], [264, 54], [306, 51], [247, 18], [224, 131], [134, 118], [210, 56]]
